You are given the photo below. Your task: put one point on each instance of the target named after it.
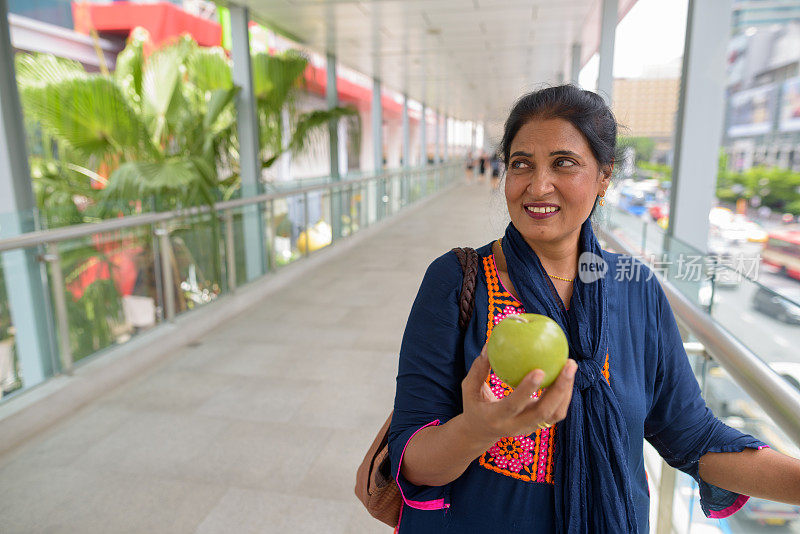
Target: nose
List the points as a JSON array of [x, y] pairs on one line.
[[541, 183]]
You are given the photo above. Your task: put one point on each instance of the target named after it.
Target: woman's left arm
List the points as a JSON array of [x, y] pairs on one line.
[[727, 464], [764, 473]]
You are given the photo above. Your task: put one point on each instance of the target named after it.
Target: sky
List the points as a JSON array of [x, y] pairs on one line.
[[651, 33]]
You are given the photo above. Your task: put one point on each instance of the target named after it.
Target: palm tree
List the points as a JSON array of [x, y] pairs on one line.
[[157, 134], [275, 81]]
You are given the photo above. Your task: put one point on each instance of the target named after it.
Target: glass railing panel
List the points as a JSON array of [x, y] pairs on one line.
[[288, 221], [653, 238], [414, 182], [430, 182], [372, 192], [112, 287], [319, 233], [351, 212], [403, 187], [10, 379], [764, 313], [117, 284], [686, 269], [734, 407], [362, 202], [628, 228], [388, 200], [197, 259]]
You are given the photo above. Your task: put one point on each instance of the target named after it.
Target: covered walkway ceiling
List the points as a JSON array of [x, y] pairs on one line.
[[467, 58]]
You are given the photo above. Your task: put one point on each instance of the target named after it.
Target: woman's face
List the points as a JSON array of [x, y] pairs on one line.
[[551, 163]]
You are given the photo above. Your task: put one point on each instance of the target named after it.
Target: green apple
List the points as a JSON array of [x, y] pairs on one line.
[[521, 343]]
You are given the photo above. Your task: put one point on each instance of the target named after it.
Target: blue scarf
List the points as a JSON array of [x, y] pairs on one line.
[[592, 482]]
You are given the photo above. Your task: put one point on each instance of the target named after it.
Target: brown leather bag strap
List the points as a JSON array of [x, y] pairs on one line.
[[469, 260]]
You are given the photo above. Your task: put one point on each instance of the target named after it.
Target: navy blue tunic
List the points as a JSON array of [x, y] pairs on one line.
[[648, 371]]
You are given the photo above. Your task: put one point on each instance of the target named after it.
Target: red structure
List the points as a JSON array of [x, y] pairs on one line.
[[163, 20]]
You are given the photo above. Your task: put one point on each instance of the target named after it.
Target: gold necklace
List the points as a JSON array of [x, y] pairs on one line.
[[550, 275]]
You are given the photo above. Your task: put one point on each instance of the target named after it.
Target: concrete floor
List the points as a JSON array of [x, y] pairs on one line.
[[260, 425]]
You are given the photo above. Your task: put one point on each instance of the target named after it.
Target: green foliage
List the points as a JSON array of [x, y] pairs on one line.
[[130, 66], [308, 123], [209, 69], [43, 69], [93, 318], [159, 133], [644, 146], [189, 179], [657, 170], [275, 79], [793, 207], [161, 127], [777, 188]]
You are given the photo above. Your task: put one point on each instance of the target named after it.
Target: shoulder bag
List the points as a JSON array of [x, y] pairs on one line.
[[375, 487]]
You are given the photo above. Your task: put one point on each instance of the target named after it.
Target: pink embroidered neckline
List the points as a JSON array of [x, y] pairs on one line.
[[497, 274]]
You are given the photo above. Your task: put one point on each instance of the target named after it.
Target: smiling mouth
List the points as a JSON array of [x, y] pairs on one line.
[[545, 210]]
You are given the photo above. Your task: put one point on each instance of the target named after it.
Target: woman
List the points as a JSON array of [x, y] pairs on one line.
[[470, 454]]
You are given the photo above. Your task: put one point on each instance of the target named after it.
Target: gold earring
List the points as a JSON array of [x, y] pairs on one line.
[[602, 200]]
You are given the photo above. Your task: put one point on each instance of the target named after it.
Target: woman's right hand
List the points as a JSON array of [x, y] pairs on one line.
[[489, 419]]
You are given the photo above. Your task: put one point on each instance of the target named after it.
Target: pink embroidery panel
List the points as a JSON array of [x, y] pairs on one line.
[[526, 458]]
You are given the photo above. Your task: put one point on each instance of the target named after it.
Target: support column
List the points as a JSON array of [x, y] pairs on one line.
[[438, 157], [377, 144], [446, 149], [575, 64], [404, 193], [249, 146], [423, 135], [284, 163], [332, 100], [406, 134], [608, 30], [377, 125], [699, 123], [473, 136], [23, 274]]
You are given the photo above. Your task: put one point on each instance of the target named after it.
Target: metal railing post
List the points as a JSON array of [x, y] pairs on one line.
[[166, 270], [60, 306], [350, 210], [336, 214], [387, 196], [666, 494], [644, 238], [305, 224], [363, 211], [271, 259], [230, 250]]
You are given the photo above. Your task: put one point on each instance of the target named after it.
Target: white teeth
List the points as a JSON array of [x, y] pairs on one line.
[[534, 209]]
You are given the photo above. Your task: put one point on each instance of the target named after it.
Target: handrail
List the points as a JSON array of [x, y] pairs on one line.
[[55, 235], [773, 394]]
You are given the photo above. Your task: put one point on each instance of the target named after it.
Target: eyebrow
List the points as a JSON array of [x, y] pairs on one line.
[[564, 153], [554, 153]]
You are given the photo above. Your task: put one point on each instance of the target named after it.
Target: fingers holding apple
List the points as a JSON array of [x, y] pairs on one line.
[[471, 386], [528, 352], [552, 405]]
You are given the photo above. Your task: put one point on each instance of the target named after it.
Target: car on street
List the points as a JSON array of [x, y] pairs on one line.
[[780, 303]]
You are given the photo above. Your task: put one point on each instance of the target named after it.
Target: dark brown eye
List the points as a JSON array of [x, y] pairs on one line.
[[518, 164]]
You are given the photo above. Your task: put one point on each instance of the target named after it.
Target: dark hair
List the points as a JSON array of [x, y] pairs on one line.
[[586, 111]]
